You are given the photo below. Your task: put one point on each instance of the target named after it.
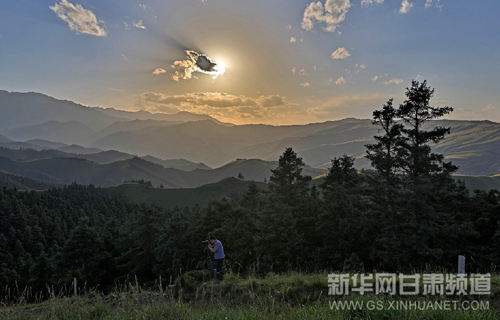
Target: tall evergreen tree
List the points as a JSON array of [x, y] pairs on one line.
[[279, 242], [412, 212], [343, 215], [287, 184]]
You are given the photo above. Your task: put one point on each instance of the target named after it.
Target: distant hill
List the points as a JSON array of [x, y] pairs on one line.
[[71, 132], [79, 150], [9, 180], [37, 116], [134, 126], [28, 109], [181, 164], [230, 187], [214, 144], [38, 145], [182, 116], [46, 144], [20, 145], [67, 170], [99, 156], [4, 139], [29, 154]]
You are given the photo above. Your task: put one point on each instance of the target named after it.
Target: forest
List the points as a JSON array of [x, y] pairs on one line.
[[406, 214]]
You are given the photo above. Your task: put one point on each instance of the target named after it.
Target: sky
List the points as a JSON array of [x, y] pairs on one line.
[[276, 62]]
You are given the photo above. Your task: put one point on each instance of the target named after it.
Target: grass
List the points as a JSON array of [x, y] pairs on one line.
[[288, 296]]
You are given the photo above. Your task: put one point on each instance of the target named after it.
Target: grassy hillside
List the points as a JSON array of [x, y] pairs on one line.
[[230, 187], [469, 145], [287, 296]]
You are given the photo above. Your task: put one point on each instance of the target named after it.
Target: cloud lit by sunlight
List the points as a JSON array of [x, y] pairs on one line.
[[196, 62]]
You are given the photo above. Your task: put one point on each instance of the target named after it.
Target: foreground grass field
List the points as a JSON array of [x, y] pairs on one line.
[[292, 296]]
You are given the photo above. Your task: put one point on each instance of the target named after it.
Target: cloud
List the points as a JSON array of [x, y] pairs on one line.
[[305, 84], [347, 106], [340, 80], [332, 14], [428, 4], [139, 24], [293, 39], [289, 27], [405, 6], [124, 57], [302, 72], [375, 78], [340, 53], [488, 112], [490, 107], [159, 71], [365, 3], [196, 62], [223, 106], [394, 81], [293, 69], [78, 18]]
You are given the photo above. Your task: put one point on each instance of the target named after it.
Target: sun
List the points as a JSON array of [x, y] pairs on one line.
[[220, 68]]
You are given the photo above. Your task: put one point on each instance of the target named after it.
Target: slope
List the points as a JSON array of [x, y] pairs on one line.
[[230, 187]]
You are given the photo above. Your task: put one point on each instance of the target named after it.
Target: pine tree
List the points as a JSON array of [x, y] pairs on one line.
[[342, 215], [279, 242], [410, 204], [287, 184], [383, 155], [415, 111]]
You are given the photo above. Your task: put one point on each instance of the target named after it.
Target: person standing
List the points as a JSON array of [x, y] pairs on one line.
[[216, 247]]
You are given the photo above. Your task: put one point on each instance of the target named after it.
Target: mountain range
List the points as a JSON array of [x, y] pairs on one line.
[[66, 170], [472, 145]]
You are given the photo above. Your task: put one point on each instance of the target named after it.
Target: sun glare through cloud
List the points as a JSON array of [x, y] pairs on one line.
[[196, 62]]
